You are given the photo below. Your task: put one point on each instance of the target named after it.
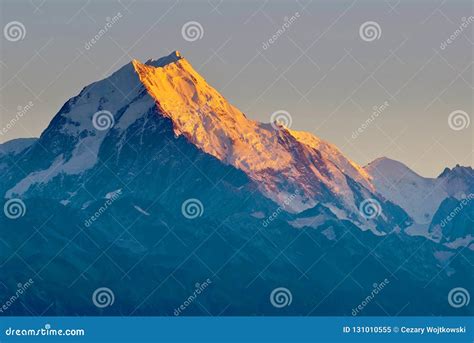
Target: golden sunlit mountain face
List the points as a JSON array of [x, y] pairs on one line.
[[268, 153]]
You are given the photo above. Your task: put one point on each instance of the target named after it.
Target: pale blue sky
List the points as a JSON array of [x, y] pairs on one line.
[[319, 70]]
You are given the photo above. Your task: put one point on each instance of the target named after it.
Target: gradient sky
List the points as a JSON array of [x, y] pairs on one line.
[[319, 70]]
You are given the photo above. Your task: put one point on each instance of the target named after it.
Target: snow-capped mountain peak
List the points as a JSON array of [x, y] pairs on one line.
[[284, 164], [282, 161], [162, 61], [419, 196], [390, 168]]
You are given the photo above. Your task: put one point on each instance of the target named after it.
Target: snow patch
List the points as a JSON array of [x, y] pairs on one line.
[[142, 211]]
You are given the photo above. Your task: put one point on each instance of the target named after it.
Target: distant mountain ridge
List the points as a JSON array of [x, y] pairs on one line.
[[420, 197]]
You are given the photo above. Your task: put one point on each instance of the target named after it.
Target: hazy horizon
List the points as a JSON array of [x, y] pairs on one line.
[[319, 69]]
